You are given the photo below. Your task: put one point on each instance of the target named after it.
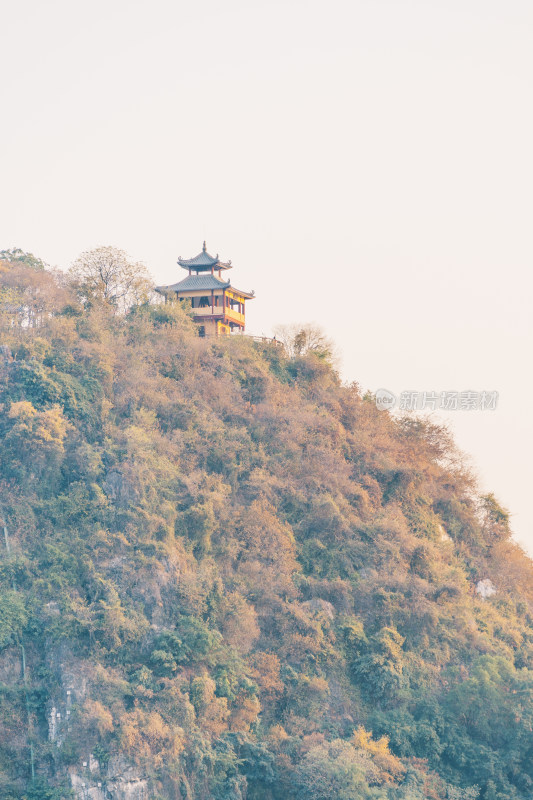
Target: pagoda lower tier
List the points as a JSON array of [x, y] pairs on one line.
[[217, 306]]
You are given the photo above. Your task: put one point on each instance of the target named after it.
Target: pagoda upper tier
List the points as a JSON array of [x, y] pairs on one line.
[[203, 262], [216, 305]]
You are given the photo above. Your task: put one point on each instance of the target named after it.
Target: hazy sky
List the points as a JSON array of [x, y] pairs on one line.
[[365, 164]]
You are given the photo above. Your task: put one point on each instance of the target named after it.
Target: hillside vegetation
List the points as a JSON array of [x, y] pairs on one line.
[[225, 574]]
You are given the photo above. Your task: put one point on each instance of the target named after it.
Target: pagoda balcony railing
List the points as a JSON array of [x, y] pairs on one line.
[[208, 311], [218, 311], [235, 315]]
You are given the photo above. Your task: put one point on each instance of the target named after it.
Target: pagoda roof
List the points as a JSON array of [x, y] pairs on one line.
[[195, 282], [203, 262], [202, 283]]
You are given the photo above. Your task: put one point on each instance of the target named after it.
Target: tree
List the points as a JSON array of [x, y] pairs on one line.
[[13, 617], [300, 339], [333, 769], [29, 293], [496, 525], [107, 275], [17, 256], [33, 442], [381, 667]]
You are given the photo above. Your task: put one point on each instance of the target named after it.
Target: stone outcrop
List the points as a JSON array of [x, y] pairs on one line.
[[485, 588]]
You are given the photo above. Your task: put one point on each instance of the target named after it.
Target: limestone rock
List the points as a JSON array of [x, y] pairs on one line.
[[485, 588], [316, 604], [120, 489]]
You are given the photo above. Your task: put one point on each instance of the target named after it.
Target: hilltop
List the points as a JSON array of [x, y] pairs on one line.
[[226, 574]]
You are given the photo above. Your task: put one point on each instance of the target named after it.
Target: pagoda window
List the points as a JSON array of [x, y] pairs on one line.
[[204, 302]]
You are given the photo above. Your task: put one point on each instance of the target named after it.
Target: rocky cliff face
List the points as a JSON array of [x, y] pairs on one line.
[[118, 782], [117, 779]]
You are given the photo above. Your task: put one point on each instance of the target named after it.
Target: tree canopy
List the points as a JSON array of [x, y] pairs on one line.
[[107, 275], [226, 574]]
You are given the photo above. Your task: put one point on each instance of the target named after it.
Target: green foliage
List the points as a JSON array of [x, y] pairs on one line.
[[238, 567], [333, 770], [40, 789], [192, 642], [380, 666], [17, 256], [13, 617], [496, 520]]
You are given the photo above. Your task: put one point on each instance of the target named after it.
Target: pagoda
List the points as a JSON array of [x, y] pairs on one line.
[[218, 307]]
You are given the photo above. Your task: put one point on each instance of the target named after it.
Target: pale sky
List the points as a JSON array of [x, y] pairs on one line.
[[365, 165]]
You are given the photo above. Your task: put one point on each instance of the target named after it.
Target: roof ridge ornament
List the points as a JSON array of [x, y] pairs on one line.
[[203, 261]]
